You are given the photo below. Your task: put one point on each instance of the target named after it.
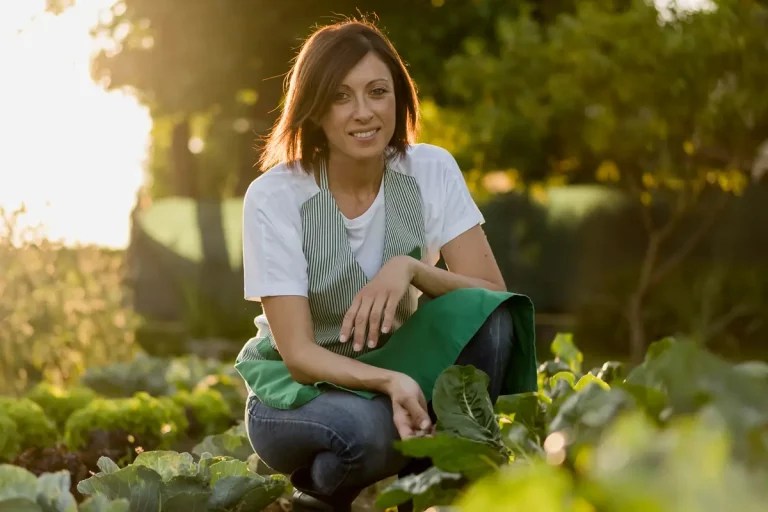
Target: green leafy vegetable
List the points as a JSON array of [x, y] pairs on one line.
[[167, 480]]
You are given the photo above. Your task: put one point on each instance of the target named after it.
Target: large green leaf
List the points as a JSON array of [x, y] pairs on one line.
[[756, 369], [53, 492], [261, 497], [538, 486], [231, 490], [522, 440], [189, 502], [103, 504], [107, 465], [426, 489], [140, 485], [167, 464], [232, 443], [455, 454], [527, 408], [183, 485], [19, 505], [16, 482], [686, 466], [585, 414], [231, 468], [693, 378], [204, 466], [463, 406]]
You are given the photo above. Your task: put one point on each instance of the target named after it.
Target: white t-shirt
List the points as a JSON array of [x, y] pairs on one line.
[[273, 259]]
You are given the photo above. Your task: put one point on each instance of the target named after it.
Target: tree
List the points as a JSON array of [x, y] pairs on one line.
[[669, 108], [214, 69]]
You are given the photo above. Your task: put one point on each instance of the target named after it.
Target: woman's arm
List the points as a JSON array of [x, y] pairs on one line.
[[291, 325], [470, 263]]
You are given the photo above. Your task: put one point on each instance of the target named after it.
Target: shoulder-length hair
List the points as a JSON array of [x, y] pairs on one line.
[[324, 60]]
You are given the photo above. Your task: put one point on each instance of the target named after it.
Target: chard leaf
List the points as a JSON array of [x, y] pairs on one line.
[[425, 489], [565, 350], [463, 406], [527, 408], [588, 412], [455, 454], [590, 379]]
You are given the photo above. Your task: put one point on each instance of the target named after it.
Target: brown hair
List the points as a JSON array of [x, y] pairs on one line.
[[324, 60]]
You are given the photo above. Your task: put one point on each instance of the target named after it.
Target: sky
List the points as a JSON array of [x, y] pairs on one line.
[[73, 153]]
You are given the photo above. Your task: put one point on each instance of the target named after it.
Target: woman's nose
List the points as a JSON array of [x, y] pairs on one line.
[[363, 110]]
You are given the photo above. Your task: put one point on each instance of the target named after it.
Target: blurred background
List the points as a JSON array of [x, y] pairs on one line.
[[618, 150]]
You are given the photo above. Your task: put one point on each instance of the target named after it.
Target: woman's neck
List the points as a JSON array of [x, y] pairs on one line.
[[355, 177]]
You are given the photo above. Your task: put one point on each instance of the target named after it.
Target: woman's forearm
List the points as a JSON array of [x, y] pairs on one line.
[[434, 282], [318, 364]]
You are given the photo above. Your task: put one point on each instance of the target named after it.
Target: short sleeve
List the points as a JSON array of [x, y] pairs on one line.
[[273, 259], [460, 212]]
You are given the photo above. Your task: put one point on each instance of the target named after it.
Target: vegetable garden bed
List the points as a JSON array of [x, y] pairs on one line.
[[684, 431]]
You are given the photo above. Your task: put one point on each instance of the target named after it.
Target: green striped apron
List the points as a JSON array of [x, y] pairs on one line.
[[429, 339]]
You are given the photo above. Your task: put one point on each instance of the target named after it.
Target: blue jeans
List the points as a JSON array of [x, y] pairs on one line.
[[338, 444]]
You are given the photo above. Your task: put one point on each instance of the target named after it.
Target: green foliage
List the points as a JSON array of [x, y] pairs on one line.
[[167, 480], [58, 402], [32, 425], [142, 374], [63, 309], [683, 431], [10, 437], [22, 491], [142, 421], [160, 376], [207, 411], [231, 443]]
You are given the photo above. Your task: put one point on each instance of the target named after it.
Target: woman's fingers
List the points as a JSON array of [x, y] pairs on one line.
[[377, 312], [402, 421], [389, 314], [361, 322], [349, 320], [418, 414]]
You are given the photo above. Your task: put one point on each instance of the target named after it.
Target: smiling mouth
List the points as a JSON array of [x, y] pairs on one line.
[[366, 134]]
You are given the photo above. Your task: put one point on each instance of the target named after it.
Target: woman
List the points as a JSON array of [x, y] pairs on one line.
[[341, 236]]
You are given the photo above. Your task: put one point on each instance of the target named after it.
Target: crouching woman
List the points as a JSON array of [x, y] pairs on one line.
[[342, 234]]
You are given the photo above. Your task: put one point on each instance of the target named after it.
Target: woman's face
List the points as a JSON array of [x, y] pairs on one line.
[[361, 119]]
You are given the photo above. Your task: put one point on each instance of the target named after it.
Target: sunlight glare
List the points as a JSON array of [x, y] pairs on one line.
[[71, 152]]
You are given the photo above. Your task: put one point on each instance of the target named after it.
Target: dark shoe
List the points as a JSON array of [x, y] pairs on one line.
[[303, 502]]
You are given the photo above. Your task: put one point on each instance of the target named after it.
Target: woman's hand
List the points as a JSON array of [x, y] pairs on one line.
[[374, 306], [409, 407]]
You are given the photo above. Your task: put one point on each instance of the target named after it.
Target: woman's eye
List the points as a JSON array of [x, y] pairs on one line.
[[379, 91], [340, 96]]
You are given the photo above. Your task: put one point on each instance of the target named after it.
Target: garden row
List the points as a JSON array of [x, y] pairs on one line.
[[684, 431]]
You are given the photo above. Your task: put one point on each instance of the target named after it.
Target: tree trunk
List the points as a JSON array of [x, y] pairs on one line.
[[183, 162]]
